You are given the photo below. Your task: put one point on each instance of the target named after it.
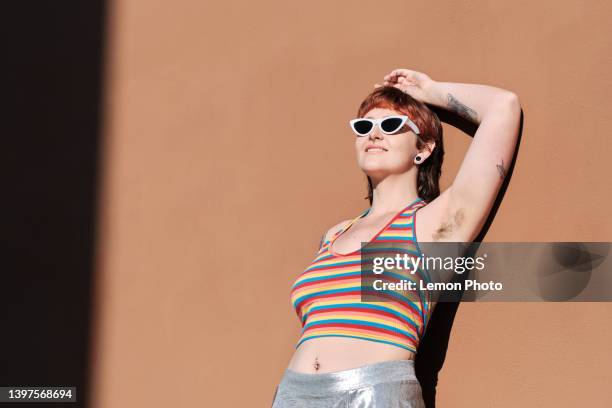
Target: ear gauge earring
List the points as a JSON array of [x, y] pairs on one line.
[[417, 159]]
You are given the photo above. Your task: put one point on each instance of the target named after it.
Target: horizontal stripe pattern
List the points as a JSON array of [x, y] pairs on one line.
[[327, 295]]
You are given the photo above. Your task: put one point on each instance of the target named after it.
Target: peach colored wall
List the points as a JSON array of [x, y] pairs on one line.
[[227, 154]]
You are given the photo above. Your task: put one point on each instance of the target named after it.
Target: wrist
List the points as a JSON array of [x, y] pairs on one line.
[[435, 93]]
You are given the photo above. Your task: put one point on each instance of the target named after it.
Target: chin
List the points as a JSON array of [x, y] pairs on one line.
[[376, 164], [375, 171], [380, 170]]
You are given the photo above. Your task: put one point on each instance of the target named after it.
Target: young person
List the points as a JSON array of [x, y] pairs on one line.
[[358, 354]]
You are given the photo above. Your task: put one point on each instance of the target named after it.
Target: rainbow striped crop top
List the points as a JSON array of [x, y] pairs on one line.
[[327, 295]]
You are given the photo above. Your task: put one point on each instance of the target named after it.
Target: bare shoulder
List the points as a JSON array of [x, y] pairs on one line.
[[336, 228]]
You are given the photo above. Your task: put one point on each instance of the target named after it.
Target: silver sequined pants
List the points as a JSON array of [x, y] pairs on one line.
[[386, 384]]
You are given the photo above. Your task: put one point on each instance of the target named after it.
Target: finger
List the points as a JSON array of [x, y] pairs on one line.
[[401, 88], [401, 71], [392, 80], [391, 75], [400, 79]]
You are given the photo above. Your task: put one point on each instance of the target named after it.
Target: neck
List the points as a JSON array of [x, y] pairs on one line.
[[393, 193]]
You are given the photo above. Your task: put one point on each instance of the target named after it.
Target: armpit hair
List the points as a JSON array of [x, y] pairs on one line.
[[447, 227]]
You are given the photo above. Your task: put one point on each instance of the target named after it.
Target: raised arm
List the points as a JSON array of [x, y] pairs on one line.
[[460, 211]]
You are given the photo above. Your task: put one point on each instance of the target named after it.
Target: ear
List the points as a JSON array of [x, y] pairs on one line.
[[426, 151]]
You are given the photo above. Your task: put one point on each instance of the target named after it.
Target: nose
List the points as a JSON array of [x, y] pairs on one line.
[[376, 133]]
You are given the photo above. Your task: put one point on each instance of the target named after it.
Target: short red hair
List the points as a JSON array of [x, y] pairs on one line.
[[430, 129]]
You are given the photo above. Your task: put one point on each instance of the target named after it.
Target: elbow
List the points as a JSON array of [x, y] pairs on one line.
[[513, 100], [510, 102]]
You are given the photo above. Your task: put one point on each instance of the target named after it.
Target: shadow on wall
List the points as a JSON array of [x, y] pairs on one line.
[[52, 70], [432, 348]]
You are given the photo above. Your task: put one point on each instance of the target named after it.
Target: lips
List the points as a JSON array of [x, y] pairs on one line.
[[375, 149]]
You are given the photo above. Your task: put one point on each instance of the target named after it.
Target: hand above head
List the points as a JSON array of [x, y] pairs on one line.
[[414, 83]]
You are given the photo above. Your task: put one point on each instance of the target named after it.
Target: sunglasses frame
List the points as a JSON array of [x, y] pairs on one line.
[[378, 122]]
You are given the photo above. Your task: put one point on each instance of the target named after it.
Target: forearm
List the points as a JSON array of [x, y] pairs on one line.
[[471, 101]]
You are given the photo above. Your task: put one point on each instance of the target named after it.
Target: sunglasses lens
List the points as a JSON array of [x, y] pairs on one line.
[[362, 127], [391, 125]]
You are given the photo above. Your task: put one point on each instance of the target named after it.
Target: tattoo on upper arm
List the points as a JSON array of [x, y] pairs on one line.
[[461, 109], [501, 169]]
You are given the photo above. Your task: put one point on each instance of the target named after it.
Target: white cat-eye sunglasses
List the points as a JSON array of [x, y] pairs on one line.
[[388, 125]]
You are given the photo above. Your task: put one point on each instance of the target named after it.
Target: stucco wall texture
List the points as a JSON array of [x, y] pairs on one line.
[[227, 154]]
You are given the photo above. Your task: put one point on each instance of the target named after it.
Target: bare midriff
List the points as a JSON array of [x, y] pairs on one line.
[[328, 354]]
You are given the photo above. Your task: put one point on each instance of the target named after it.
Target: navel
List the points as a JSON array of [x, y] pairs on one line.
[[316, 364]]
